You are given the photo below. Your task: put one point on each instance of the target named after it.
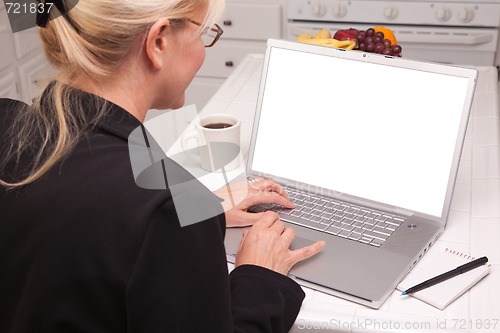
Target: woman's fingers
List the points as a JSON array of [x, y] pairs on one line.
[[267, 244], [303, 253], [288, 235], [267, 220], [268, 191], [306, 252], [269, 185]]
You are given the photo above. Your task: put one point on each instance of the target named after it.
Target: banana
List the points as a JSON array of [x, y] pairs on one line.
[[353, 44], [303, 37], [341, 44], [323, 33]]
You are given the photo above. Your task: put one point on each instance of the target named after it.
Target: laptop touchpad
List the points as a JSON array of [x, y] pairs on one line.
[[300, 242]]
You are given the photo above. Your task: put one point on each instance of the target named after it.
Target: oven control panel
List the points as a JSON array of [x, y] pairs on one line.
[[438, 13]]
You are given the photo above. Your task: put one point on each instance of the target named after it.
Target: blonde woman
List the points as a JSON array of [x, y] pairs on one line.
[[82, 247]]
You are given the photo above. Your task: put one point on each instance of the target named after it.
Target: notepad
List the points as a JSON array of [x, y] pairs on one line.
[[442, 294]]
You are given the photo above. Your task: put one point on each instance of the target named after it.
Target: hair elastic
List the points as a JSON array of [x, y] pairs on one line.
[[42, 16]]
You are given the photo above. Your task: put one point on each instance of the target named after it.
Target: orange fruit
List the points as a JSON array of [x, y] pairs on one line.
[[388, 33]]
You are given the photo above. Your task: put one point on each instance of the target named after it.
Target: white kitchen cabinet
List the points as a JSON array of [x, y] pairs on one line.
[[247, 25], [8, 86], [7, 89], [22, 61]]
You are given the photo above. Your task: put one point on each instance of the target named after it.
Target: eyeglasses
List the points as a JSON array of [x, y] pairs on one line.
[[211, 35]]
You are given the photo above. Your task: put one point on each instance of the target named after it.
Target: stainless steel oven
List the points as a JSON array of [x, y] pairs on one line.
[[458, 32]]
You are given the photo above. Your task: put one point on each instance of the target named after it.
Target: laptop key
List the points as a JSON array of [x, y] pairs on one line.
[[268, 206], [298, 203], [333, 230], [304, 223], [382, 225], [367, 227], [355, 236], [306, 216], [319, 208], [376, 242], [381, 232], [365, 239], [346, 227], [316, 212], [393, 222], [359, 212], [347, 221], [370, 216], [349, 216], [376, 235], [327, 216], [336, 218], [258, 209], [306, 210], [329, 210], [339, 213], [316, 219], [370, 222], [358, 224], [358, 231], [344, 233], [329, 205], [310, 200], [336, 224]]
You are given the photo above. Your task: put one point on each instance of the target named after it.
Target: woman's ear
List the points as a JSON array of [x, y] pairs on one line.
[[156, 42]]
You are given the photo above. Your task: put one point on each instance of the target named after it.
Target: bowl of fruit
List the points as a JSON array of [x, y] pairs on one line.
[[378, 39]]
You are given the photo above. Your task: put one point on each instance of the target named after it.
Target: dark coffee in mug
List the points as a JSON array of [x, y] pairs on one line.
[[218, 125]]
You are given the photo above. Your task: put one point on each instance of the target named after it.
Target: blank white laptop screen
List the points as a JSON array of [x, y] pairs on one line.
[[373, 131]]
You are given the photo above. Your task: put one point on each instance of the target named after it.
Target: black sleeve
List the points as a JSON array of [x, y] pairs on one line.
[[263, 300], [180, 283]]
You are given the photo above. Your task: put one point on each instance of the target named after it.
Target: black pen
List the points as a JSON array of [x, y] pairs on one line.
[[445, 276]]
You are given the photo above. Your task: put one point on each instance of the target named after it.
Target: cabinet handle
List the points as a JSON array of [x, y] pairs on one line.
[[229, 63], [227, 22]]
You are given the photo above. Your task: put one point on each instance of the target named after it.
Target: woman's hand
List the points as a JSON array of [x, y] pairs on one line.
[[267, 244], [240, 196]]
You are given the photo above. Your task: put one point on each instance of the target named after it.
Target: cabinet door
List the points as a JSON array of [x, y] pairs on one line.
[[27, 43], [8, 86], [227, 55], [32, 73], [7, 56], [251, 21]]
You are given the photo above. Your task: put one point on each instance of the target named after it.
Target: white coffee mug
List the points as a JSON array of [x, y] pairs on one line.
[[217, 139]]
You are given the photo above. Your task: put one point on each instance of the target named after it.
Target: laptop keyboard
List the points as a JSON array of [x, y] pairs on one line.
[[336, 217]]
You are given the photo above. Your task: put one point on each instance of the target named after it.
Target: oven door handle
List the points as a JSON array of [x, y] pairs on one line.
[[449, 39]]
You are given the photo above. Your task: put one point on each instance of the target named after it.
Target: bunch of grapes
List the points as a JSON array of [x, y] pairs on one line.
[[371, 41]]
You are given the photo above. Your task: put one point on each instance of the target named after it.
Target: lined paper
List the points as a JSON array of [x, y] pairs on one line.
[[442, 294]]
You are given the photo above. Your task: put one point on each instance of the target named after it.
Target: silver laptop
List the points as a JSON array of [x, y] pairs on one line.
[[368, 147]]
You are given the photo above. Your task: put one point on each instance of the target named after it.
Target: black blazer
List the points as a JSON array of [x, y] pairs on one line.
[[85, 249]]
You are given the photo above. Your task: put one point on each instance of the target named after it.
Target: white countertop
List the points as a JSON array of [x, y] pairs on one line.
[[473, 227]]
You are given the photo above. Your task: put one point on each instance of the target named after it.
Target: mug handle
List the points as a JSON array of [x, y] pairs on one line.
[[185, 138]]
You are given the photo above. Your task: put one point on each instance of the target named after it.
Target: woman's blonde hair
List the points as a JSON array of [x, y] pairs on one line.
[[91, 41]]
